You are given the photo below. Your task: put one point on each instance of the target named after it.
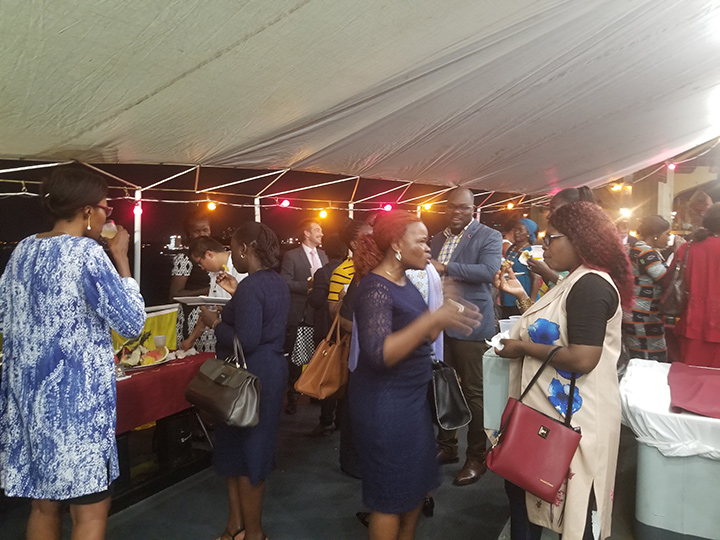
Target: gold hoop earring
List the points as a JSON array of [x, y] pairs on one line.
[[89, 228], [398, 255]]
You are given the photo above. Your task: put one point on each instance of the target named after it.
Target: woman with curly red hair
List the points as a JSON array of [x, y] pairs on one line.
[[388, 391], [581, 317]]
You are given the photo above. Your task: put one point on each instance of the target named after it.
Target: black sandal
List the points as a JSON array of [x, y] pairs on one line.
[[232, 536], [363, 517]]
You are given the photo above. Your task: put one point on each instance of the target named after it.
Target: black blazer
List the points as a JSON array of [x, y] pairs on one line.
[[296, 271]]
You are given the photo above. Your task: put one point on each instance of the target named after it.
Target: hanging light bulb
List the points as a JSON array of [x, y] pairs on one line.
[[387, 207], [285, 203], [211, 205], [510, 206], [137, 210], [323, 214], [427, 206], [671, 166]]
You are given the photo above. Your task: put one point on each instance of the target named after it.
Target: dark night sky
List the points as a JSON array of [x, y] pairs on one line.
[[22, 216]]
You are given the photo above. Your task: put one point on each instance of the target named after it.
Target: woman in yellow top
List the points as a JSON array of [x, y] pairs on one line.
[[583, 315]]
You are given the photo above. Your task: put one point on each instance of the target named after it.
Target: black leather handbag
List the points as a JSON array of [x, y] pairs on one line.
[[226, 390], [451, 408], [674, 301]]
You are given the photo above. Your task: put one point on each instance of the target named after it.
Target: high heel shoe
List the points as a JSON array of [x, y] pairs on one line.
[[428, 506]]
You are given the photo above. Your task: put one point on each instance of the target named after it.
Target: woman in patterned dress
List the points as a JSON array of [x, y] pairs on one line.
[[59, 297], [188, 279], [643, 328], [525, 236], [581, 316]]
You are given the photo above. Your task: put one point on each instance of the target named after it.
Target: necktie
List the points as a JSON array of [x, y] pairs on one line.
[[315, 265]]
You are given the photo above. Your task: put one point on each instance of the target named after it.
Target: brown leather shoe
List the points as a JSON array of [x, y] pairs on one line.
[[471, 472], [444, 457]]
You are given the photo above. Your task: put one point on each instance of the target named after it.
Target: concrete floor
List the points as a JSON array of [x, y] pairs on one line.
[[309, 498]]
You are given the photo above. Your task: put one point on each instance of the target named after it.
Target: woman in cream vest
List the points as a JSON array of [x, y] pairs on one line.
[[583, 315]]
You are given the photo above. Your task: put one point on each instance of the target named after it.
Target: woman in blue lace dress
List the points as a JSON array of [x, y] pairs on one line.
[[59, 297], [388, 391]]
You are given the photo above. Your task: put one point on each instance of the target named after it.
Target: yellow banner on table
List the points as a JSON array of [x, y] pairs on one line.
[[160, 323]]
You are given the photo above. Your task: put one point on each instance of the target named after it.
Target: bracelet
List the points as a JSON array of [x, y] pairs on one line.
[[524, 305]]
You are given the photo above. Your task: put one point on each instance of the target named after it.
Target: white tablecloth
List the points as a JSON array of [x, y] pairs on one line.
[[645, 397]]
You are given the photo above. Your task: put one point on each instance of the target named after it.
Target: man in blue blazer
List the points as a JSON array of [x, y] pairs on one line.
[[468, 253]]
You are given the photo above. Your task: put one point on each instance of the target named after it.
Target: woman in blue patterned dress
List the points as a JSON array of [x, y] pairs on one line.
[[525, 237], [257, 314], [59, 297], [388, 391]]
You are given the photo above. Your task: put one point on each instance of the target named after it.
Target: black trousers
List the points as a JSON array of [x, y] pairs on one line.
[[520, 526], [294, 371]]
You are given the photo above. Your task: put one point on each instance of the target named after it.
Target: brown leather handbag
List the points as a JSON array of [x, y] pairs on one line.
[[327, 372], [226, 390]]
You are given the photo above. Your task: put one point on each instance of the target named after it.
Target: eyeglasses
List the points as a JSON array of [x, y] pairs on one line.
[[548, 238], [108, 209]]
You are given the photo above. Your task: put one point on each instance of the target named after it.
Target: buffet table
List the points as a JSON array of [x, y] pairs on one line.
[[157, 392], [678, 463]]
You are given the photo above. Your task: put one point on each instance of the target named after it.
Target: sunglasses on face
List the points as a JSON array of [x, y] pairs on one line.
[[548, 238], [108, 209]]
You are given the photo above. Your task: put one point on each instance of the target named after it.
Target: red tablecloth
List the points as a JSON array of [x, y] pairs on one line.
[[155, 393]]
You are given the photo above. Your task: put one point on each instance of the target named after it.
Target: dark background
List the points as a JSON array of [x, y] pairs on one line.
[[22, 216]]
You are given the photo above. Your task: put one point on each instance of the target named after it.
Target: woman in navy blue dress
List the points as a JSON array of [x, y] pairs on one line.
[[257, 315], [388, 391]]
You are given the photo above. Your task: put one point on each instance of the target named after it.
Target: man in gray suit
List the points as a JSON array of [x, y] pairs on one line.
[[298, 267], [468, 253]]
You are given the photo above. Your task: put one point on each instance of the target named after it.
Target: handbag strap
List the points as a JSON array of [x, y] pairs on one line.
[[571, 395], [571, 400], [568, 410], [334, 327], [239, 353], [539, 371], [681, 267]]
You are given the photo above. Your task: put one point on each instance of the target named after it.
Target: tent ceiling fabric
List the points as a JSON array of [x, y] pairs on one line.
[[508, 95]]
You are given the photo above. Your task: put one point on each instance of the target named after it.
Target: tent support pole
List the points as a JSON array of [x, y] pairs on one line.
[[257, 210], [351, 210], [665, 195], [137, 239]]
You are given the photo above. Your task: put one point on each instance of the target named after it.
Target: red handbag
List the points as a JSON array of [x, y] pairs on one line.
[[533, 450]]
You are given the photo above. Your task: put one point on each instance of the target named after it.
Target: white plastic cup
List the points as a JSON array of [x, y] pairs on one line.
[[506, 324], [109, 230], [159, 341], [514, 318], [536, 252]]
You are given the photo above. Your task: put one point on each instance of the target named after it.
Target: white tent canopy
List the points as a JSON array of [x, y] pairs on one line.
[[508, 95]]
